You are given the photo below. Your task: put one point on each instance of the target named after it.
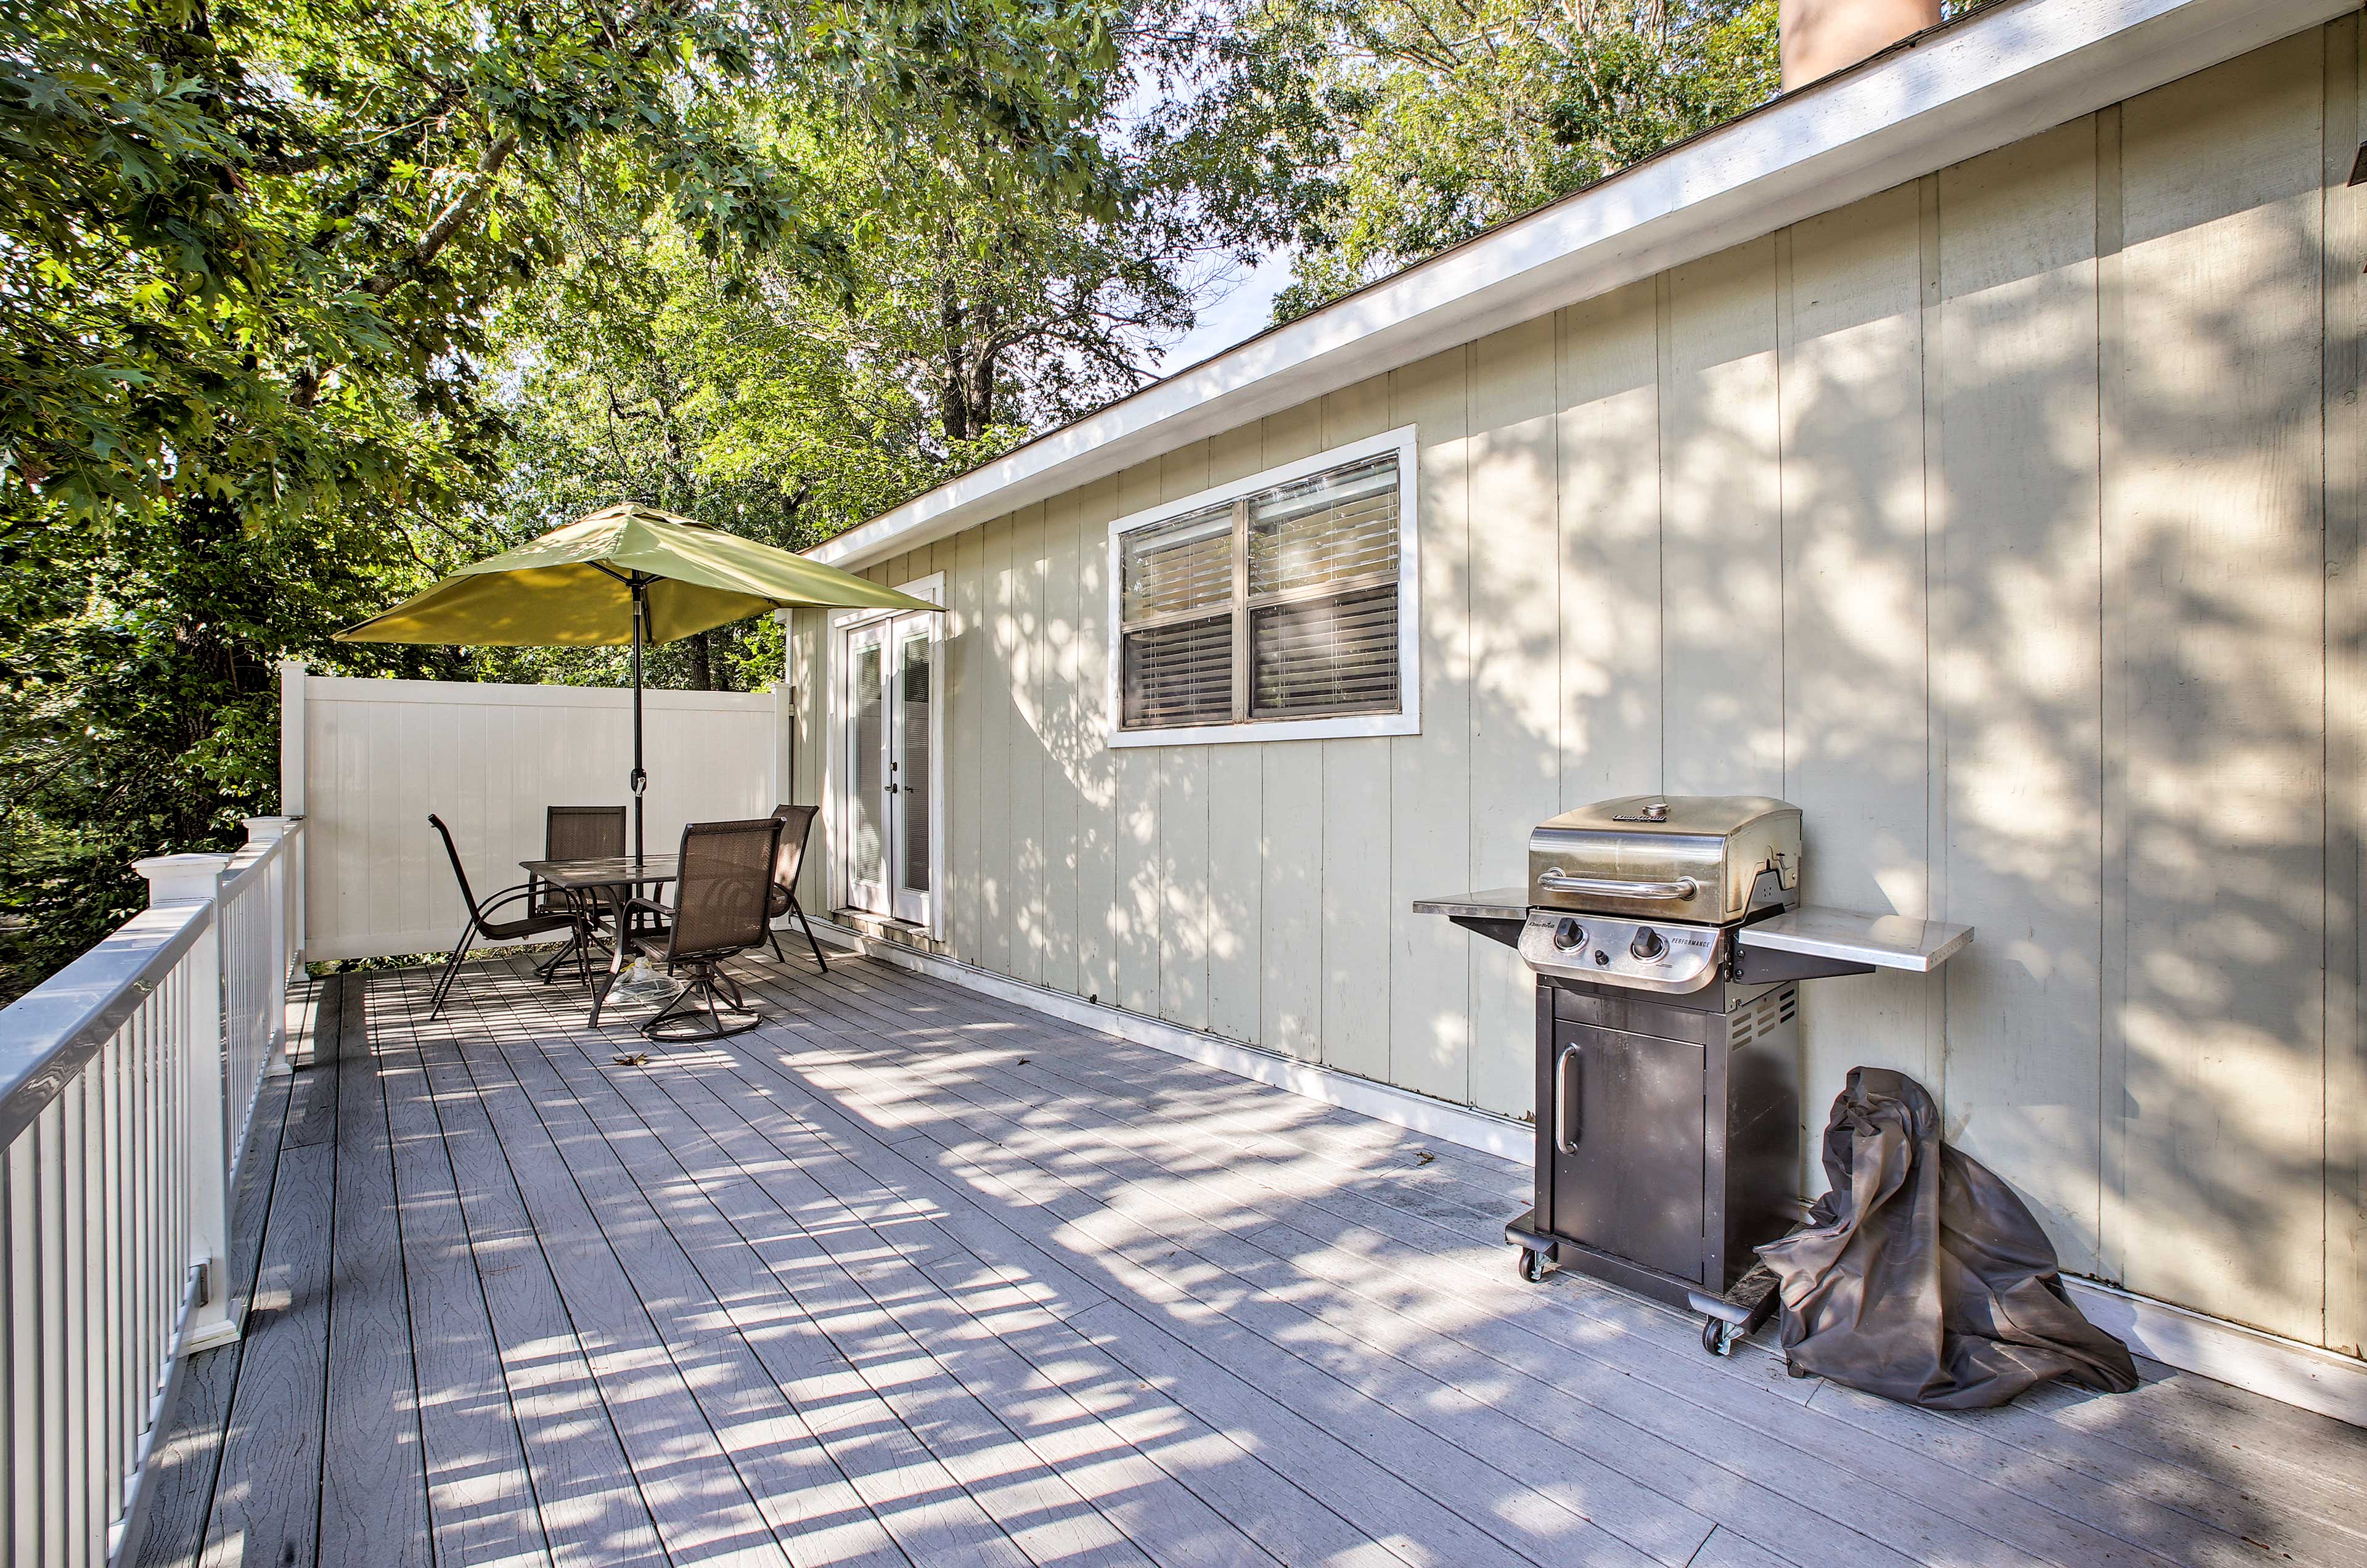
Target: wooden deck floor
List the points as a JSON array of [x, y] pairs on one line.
[[911, 1276]]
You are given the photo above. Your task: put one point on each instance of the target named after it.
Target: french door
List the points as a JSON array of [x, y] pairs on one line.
[[888, 799]]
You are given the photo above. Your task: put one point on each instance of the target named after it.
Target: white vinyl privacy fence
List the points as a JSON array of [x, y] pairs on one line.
[[367, 761], [126, 1081]]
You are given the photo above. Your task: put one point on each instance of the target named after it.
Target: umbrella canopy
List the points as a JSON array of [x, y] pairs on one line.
[[574, 587], [625, 574]]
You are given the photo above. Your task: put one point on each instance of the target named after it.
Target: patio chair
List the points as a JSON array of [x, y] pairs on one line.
[[576, 832], [796, 823], [531, 923], [718, 912]]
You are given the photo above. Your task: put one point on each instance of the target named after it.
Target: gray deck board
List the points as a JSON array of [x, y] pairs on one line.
[[2046, 1536], [872, 1278], [642, 1359], [266, 1499], [373, 1472], [480, 1500], [720, 1214], [1282, 1518], [591, 1513], [1352, 1263], [911, 1276], [1458, 1446], [789, 1392], [1216, 1512]]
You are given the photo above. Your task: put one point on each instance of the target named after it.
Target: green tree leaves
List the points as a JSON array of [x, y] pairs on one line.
[[252, 256], [1425, 122]]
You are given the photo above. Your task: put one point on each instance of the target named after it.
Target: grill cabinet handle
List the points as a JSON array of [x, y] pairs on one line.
[[1558, 881], [1567, 1127]]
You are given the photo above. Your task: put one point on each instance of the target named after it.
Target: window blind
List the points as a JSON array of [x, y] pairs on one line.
[[1181, 565], [1177, 660], [1180, 673], [1279, 604], [1325, 655], [1333, 529], [1323, 593]]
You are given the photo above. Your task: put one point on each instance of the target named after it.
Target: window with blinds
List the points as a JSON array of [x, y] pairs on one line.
[[1282, 603]]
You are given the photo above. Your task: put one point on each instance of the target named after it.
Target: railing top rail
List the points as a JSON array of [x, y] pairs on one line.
[[256, 853], [50, 1032]]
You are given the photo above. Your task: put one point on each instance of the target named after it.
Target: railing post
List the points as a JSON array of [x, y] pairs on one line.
[[196, 879], [292, 720], [267, 830], [292, 738]]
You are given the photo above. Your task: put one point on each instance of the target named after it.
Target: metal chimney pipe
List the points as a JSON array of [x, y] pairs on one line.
[[1817, 38]]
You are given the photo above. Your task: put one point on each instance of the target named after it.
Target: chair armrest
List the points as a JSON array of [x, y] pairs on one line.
[[649, 906], [506, 896]]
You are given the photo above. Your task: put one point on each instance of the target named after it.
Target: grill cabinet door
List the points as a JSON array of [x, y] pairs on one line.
[[1631, 1105]]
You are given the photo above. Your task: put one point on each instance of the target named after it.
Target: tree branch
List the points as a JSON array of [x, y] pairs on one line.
[[449, 222]]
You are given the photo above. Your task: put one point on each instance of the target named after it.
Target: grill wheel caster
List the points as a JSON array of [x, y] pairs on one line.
[[1719, 1336], [1532, 1266]]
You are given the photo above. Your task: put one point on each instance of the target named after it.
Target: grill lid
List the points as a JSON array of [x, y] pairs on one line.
[[1710, 859]]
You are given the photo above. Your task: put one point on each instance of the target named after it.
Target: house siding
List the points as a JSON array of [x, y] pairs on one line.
[[2005, 521]]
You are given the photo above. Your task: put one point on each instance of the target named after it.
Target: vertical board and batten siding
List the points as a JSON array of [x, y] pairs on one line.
[[1180, 804], [2006, 520], [381, 755], [1361, 917], [1285, 947]]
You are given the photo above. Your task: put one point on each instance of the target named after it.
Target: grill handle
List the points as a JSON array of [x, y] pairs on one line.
[[1558, 881], [1567, 1127]]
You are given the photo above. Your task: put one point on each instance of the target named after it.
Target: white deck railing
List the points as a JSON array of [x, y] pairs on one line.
[[126, 1080]]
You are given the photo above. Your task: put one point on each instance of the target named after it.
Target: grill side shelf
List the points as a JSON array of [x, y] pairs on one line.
[[1496, 913], [1881, 942]]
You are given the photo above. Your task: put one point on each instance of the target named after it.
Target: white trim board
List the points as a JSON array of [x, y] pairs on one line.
[[2285, 1369], [1967, 88], [1457, 1124], [2325, 1381]]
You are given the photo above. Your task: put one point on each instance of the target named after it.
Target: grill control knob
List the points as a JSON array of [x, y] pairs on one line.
[[1650, 946], [1569, 933]]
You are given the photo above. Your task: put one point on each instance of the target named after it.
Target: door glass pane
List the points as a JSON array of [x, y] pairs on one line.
[[912, 762], [868, 770]]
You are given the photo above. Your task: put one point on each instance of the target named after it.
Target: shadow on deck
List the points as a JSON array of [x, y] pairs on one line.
[[909, 1274]]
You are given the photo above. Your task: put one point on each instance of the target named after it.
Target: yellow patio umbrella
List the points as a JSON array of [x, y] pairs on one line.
[[625, 574]]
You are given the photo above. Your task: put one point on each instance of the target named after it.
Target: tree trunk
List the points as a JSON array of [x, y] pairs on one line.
[[980, 397], [702, 664], [954, 410]]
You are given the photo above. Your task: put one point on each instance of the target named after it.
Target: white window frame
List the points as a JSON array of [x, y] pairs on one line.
[[1407, 720], [932, 589]]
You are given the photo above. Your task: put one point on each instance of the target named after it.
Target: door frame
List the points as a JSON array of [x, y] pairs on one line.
[[838, 712]]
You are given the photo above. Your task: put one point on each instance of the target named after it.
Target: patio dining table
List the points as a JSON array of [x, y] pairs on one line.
[[615, 879]]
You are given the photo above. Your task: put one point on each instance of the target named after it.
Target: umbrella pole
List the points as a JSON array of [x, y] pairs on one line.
[[640, 780]]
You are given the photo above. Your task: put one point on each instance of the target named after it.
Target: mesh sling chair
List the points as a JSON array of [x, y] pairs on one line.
[[532, 922], [797, 822], [576, 832], [720, 900]]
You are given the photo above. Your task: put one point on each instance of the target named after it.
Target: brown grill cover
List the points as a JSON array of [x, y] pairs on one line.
[[1922, 1277]]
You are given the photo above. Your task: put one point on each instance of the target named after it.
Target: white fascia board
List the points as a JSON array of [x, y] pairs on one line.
[[1955, 93]]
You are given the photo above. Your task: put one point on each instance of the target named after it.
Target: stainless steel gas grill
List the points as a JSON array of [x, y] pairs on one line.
[[1667, 938]]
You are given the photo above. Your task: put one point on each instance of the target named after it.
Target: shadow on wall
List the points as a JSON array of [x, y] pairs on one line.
[[2000, 552]]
